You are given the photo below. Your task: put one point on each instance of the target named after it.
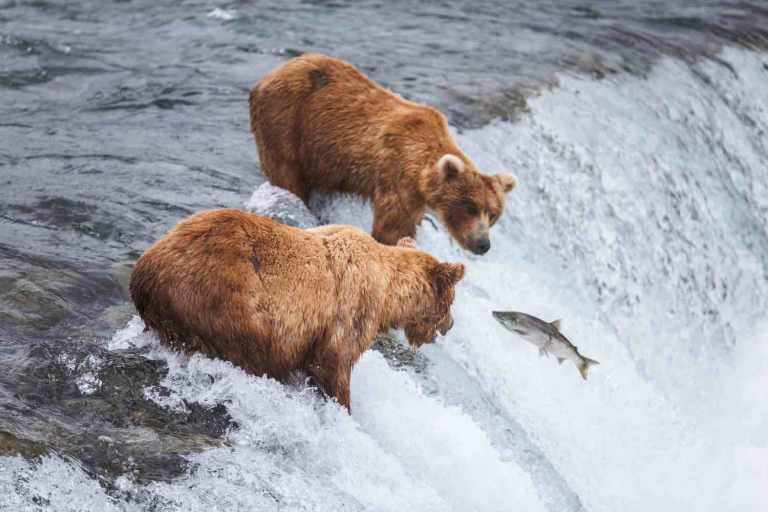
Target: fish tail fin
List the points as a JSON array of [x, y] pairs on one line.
[[584, 366]]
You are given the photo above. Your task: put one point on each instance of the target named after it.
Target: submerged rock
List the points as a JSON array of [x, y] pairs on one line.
[[397, 354], [79, 400], [11, 445]]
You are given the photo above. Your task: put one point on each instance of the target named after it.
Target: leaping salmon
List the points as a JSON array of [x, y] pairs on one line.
[[546, 336]]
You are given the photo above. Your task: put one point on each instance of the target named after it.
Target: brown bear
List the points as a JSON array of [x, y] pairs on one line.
[[320, 124], [272, 298]]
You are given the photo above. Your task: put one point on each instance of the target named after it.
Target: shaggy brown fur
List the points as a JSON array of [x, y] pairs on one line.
[[320, 124], [273, 299]]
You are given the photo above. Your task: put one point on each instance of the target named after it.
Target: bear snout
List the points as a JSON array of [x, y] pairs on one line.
[[446, 325], [480, 245]]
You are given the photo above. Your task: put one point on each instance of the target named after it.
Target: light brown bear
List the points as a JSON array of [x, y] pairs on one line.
[[320, 124], [272, 298]]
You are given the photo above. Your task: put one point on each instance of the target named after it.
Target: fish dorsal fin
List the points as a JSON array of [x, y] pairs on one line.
[[556, 323]]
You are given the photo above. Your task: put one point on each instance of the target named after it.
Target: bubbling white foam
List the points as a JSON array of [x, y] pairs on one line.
[[401, 449], [640, 220], [636, 221]]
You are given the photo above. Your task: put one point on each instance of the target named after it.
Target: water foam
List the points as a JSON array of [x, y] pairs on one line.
[[402, 449], [640, 220], [637, 221]]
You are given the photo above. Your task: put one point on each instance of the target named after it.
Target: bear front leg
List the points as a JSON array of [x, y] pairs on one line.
[[332, 374], [391, 221], [292, 181], [285, 174]]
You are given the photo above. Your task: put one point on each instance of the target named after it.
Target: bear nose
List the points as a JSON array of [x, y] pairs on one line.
[[447, 326], [481, 246]]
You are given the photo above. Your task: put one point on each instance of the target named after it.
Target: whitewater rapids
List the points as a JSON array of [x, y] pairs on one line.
[[640, 220]]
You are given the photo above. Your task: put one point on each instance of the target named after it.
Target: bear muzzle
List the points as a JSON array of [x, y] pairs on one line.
[[446, 324], [480, 245]]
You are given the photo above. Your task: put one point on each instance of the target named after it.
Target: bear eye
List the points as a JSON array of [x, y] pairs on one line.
[[471, 209]]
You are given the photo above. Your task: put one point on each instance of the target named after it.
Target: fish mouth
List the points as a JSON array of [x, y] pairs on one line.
[[507, 319], [504, 317]]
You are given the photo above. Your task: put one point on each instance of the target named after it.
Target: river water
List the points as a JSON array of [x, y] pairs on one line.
[[639, 134]]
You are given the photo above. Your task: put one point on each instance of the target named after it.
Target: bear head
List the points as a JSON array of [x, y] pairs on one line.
[[432, 312], [466, 201]]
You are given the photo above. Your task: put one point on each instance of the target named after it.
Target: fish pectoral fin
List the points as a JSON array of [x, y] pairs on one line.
[[543, 352], [556, 323], [560, 360]]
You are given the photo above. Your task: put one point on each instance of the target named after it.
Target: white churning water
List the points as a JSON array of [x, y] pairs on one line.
[[641, 221]]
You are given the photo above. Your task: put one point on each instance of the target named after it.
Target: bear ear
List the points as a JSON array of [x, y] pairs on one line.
[[449, 166], [407, 242], [507, 180], [451, 273]]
